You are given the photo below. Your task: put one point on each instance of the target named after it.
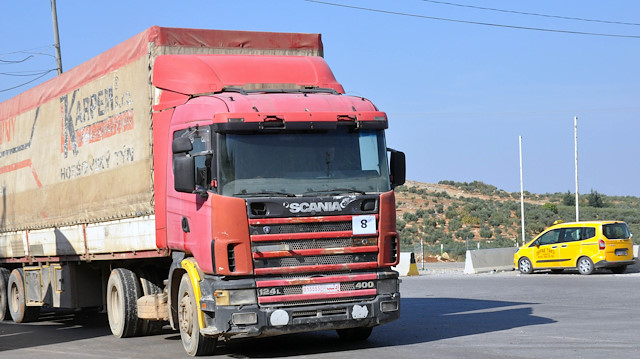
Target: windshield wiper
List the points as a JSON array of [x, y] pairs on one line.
[[335, 190], [265, 193]]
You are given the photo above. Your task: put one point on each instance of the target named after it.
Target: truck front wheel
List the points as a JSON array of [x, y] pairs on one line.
[[123, 291], [193, 341], [20, 312]]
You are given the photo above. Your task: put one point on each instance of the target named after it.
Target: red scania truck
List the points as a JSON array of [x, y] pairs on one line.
[[218, 180]]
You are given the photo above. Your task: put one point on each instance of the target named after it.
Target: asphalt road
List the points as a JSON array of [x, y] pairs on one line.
[[445, 314]]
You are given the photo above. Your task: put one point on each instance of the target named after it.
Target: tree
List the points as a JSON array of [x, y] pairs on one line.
[[551, 206], [595, 199], [485, 233], [568, 199]]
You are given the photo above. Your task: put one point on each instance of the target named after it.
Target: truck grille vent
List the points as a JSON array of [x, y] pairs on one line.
[[309, 275], [319, 313], [320, 301], [302, 244], [301, 228], [231, 254], [309, 261], [315, 260], [394, 249]]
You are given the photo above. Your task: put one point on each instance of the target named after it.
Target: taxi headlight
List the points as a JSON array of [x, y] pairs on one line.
[[235, 297]]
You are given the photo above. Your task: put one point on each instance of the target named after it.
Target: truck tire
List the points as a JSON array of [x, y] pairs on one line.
[[354, 334], [150, 283], [16, 299], [193, 341], [123, 291], [4, 305]]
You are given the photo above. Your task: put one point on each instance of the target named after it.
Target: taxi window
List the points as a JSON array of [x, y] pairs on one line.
[[615, 231], [549, 237], [587, 232], [571, 235]]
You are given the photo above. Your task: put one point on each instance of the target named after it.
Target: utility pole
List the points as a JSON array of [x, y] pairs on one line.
[[575, 132], [521, 192], [56, 37]]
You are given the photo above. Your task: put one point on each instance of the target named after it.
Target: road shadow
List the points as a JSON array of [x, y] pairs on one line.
[[422, 320], [53, 328]]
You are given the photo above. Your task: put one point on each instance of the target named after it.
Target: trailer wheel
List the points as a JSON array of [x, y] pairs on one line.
[[354, 334], [150, 284], [4, 305], [193, 341], [16, 299], [123, 291]]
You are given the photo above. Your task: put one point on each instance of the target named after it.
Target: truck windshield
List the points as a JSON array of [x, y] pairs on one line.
[[303, 163]]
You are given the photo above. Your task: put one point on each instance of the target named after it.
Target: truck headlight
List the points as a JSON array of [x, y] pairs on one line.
[[235, 297]]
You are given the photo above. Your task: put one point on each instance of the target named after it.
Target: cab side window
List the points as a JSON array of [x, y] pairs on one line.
[[587, 232], [550, 237]]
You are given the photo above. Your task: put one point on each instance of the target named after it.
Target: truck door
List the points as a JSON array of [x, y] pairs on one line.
[[189, 214]]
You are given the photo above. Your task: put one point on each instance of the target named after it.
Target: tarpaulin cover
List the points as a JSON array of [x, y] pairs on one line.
[[78, 148]]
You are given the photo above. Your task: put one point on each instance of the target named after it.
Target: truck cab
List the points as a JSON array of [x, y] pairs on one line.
[[279, 199]]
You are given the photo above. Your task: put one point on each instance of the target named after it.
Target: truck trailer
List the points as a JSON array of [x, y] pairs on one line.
[[217, 181]]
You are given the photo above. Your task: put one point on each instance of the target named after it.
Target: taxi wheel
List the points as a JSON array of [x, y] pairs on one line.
[[525, 266], [585, 265]]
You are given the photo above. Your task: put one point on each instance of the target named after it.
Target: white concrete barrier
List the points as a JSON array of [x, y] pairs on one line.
[[487, 260], [635, 251], [403, 266]]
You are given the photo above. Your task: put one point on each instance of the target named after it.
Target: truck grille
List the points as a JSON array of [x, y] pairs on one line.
[[312, 261]]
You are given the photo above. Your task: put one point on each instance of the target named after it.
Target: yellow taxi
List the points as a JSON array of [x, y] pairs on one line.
[[585, 246]]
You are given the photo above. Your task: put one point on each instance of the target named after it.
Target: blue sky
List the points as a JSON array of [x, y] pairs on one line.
[[457, 95]]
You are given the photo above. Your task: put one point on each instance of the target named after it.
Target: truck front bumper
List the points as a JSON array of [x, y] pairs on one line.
[[261, 321]]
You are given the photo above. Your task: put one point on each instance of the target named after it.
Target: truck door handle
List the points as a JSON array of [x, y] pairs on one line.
[[185, 225], [564, 246], [554, 247]]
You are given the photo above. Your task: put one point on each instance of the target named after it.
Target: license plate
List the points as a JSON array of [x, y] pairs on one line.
[[321, 288], [621, 252]]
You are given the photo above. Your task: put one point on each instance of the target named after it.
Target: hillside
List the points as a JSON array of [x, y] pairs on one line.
[[451, 215]]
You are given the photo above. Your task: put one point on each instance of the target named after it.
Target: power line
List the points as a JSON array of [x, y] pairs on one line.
[[26, 73], [30, 51], [532, 13], [28, 82], [475, 22], [16, 61]]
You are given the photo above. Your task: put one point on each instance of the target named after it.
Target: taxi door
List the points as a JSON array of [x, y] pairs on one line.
[[546, 254], [570, 246]]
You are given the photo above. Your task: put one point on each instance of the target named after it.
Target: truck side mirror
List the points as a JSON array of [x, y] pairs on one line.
[[184, 168], [398, 168]]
